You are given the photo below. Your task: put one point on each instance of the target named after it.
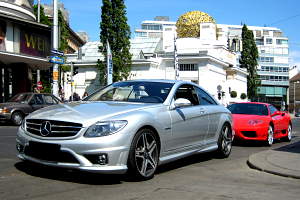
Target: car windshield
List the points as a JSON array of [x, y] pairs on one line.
[[248, 109], [131, 91], [20, 98]]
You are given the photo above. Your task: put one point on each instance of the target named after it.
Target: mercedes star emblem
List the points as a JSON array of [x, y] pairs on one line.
[[45, 129]]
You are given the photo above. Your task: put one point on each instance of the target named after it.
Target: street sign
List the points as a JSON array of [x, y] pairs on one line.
[[57, 52], [56, 60]]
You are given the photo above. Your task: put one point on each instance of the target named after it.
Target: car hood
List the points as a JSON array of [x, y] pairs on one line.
[[9, 104], [242, 119], [86, 112]]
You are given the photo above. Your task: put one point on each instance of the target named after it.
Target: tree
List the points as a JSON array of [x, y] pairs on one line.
[[249, 56], [115, 30], [43, 18]]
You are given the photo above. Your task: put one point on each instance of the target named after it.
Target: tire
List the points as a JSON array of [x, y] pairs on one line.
[[270, 136], [143, 155], [225, 142], [17, 118], [288, 138]]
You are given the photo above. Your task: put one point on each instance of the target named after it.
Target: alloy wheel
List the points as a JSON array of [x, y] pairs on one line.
[[146, 154], [270, 136]]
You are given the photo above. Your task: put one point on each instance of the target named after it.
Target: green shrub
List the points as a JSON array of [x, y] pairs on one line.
[[243, 96], [233, 94]]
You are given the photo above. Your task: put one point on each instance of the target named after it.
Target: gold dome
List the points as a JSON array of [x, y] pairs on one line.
[[188, 24]]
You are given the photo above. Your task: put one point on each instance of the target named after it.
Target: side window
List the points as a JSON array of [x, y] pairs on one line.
[[188, 92], [38, 99], [50, 100], [272, 109], [204, 98]]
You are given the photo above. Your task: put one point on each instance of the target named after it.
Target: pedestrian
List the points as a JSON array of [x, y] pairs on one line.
[[85, 94]]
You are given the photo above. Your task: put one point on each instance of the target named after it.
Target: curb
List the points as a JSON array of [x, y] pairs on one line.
[[258, 161]]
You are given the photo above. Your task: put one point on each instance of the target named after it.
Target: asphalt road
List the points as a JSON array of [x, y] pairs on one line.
[[198, 177]]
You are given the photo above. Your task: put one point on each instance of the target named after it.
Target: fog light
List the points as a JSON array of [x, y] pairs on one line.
[[98, 159], [19, 147], [102, 159]]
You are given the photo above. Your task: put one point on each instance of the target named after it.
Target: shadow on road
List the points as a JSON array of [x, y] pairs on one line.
[[67, 175], [76, 176], [292, 148]]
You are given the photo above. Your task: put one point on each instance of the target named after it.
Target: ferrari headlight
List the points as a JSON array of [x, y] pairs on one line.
[[255, 122], [105, 128]]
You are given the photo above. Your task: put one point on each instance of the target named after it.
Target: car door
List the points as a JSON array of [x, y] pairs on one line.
[[190, 123], [212, 111], [276, 118]]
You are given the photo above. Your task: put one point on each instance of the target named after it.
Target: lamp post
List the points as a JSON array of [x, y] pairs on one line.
[[55, 46], [38, 77], [295, 96]]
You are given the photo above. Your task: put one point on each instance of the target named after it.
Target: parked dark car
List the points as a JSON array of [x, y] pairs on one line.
[[22, 104]]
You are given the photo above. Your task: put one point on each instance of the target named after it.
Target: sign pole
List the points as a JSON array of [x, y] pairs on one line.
[[55, 46], [72, 71]]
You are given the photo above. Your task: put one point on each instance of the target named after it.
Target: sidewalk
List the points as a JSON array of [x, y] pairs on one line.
[[284, 161]]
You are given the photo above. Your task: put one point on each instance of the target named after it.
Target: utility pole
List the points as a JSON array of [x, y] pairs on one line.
[[38, 77], [72, 81], [55, 46]]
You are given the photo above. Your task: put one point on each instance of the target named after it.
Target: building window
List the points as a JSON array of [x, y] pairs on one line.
[[188, 67], [269, 40], [266, 59], [265, 32], [258, 33], [259, 42], [273, 69], [281, 41]]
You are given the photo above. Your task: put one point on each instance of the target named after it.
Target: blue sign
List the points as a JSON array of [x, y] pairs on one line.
[[57, 52], [56, 60]]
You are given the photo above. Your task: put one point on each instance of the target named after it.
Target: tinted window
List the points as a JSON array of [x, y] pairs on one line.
[[20, 98], [272, 109], [38, 99], [204, 98], [248, 109], [50, 100], [145, 92], [187, 92]]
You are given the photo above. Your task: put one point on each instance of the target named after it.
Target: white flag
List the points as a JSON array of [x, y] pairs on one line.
[[176, 65], [109, 65]]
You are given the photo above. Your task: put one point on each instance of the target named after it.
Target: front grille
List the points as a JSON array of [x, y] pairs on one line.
[[58, 128], [249, 133], [48, 152]]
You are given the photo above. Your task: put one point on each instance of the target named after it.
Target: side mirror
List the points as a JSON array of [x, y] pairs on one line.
[[181, 102]]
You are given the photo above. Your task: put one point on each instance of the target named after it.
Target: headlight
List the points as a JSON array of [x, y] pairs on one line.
[[23, 125], [105, 128], [254, 122], [4, 110]]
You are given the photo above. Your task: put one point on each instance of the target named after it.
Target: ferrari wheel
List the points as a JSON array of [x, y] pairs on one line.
[[270, 138], [288, 138]]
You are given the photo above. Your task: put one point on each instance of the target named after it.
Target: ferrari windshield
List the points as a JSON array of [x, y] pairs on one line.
[[248, 109], [133, 91]]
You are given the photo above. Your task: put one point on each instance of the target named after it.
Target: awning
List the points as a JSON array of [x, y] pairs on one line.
[[32, 61]]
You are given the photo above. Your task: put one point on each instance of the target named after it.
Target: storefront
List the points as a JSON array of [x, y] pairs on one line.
[[24, 48]]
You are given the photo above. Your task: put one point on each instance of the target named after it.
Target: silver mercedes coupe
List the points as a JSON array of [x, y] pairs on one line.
[[130, 126]]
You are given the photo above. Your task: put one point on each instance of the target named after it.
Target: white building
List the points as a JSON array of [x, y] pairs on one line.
[[273, 61], [205, 61]]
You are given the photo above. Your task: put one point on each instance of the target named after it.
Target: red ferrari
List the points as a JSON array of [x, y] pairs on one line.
[[260, 121]]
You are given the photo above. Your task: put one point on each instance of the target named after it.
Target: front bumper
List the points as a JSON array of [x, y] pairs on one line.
[[5, 116], [251, 133], [76, 153]]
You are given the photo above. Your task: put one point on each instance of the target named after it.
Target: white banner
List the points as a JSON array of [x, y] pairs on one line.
[[109, 65]]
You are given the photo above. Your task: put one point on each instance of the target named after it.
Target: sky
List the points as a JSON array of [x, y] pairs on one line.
[[285, 15]]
